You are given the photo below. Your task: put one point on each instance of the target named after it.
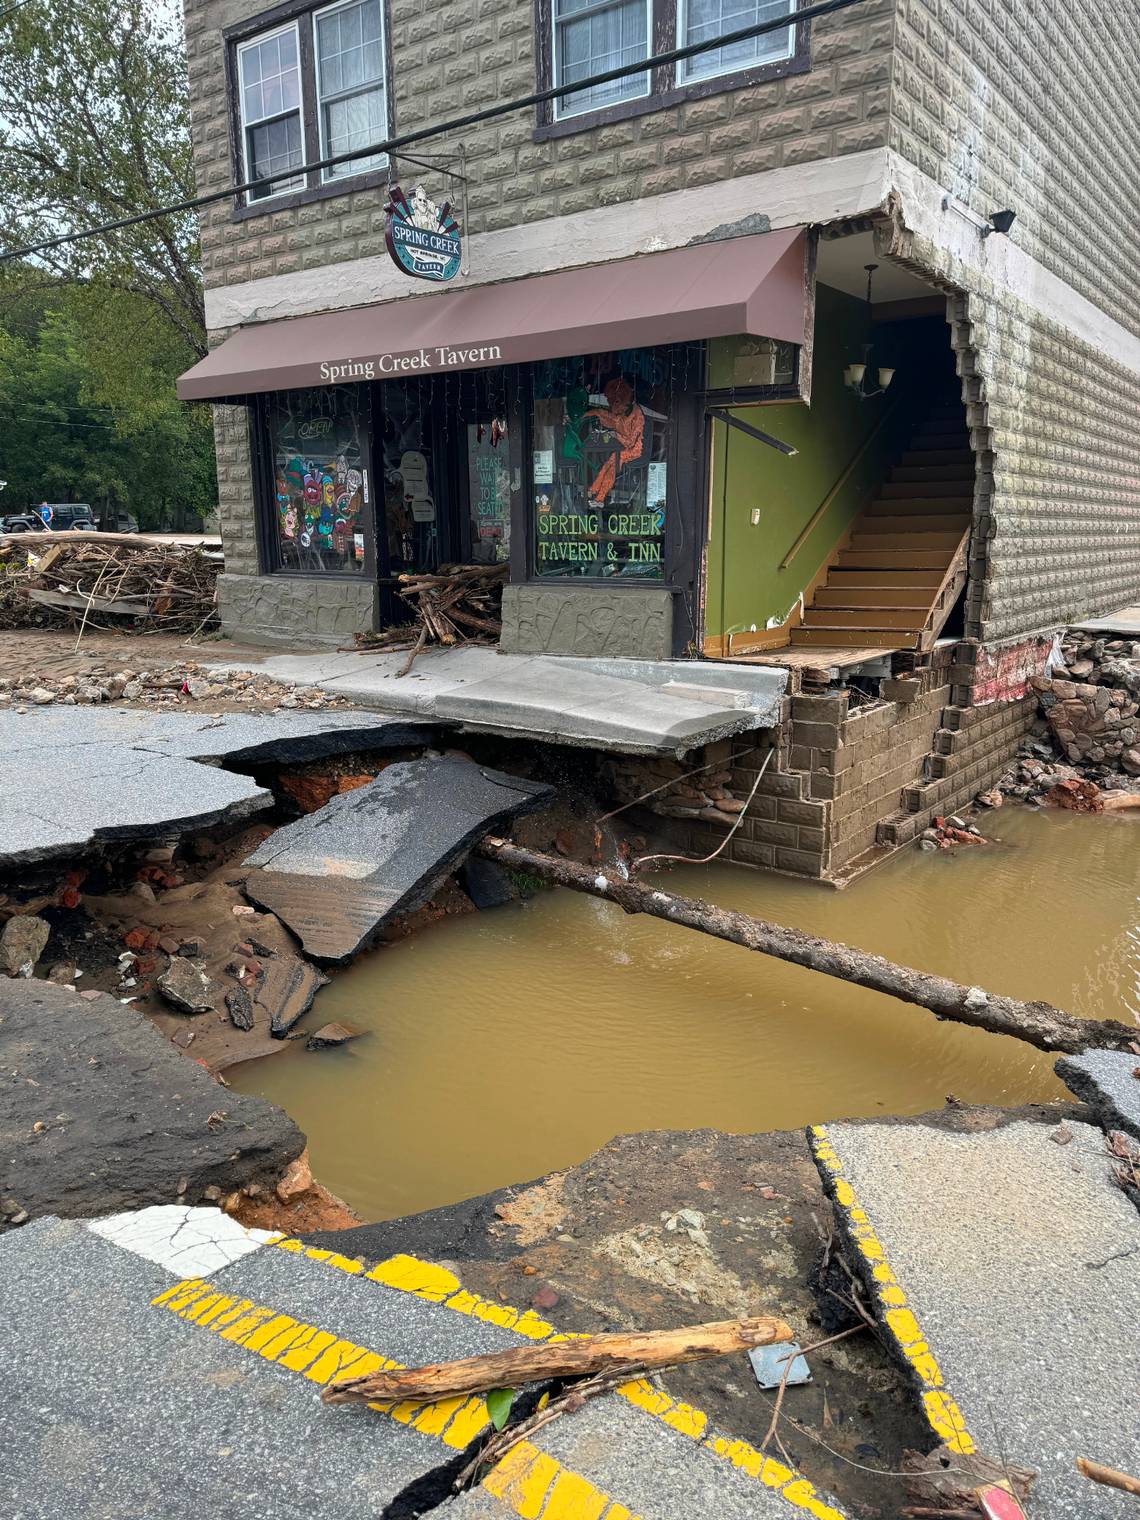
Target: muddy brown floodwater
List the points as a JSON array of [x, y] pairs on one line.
[[504, 1045]]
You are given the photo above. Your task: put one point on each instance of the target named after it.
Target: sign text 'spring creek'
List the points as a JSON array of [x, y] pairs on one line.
[[398, 364]]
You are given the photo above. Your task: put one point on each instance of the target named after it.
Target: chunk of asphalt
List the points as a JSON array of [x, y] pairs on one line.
[[1106, 1080], [338, 875], [134, 774], [1019, 1263], [127, 1121]]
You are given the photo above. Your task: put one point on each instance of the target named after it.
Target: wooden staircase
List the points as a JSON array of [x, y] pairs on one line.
[[895, 583]]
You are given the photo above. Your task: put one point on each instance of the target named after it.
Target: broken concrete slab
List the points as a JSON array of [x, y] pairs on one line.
[[338, 875], [629, 706], [1107, 1081], [125, 1121], [185, 984], [72, 778], [1006, 1268]]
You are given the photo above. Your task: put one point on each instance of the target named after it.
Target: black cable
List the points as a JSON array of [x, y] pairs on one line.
[[455, 124]]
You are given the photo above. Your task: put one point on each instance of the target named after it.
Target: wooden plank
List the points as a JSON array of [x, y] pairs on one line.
[[912, 490], [74, 601], [916, 579], [880, 521], [919, 540], [874, 619], [862, 637], [895, 559], [872, 596]]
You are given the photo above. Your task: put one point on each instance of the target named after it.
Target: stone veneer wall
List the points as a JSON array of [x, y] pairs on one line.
[[847, 784], [624, 622], [472, 54]]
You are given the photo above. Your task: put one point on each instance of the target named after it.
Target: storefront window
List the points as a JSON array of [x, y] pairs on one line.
[[319, 444], [599, 473]]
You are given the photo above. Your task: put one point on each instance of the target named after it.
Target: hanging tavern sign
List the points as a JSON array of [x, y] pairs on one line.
[[422, 238]]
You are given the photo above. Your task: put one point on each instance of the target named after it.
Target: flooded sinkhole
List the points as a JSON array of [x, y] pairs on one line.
[[510, 1043]]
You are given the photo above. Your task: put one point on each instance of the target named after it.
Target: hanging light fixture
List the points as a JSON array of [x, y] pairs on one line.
[[865, 379]]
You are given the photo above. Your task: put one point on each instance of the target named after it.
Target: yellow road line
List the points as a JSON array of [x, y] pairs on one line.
[[439, 1285], [942, 1413], [528, 1481]]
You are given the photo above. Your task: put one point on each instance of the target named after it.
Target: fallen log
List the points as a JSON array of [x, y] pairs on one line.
[[644, 1351], [1038, 1023]]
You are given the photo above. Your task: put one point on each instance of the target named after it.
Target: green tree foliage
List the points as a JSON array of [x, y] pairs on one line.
[[94, 127]]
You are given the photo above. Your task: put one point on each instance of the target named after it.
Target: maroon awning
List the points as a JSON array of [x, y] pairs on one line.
[[743, 285]]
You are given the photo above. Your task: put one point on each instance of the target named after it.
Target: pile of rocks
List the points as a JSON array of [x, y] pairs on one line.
[[1092, 702], [684, 792], [169, 686]]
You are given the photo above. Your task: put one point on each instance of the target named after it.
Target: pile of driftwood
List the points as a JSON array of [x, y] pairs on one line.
[[459, 604], [106, 580]]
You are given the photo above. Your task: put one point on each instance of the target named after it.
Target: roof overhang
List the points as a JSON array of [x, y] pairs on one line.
[[753, 285]]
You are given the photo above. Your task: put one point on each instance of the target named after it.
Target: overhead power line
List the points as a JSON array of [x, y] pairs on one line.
[[454, 124]]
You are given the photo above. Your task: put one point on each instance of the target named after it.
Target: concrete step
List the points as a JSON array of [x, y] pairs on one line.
[[994, 1304]]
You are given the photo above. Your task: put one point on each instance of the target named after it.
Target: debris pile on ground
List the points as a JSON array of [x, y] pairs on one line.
[[168, 686], [1091, 702], [169, 588], [460, 605], [945, 833], [673, 788]]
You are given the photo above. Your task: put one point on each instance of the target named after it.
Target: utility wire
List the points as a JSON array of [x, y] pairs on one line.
[[12, 9], [454, 124]]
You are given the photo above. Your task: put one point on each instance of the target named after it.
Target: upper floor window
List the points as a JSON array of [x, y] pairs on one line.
[[349, 48], [581, 38], [270, 82], [312, 87]]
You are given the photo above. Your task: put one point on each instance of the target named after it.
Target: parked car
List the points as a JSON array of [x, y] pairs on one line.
[[20, 522], [125, 522], [68, 514]]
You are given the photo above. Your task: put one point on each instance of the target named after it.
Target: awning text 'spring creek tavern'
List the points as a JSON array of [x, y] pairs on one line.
[[440, 357]]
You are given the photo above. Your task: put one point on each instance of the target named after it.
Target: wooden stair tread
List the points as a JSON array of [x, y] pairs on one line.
[[882, 521], [920, 504], [867, 541], [858, 637], [905, 618], [894, 559], [916, 490]]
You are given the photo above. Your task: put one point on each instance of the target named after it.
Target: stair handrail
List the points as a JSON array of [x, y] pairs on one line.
[[806, 530]]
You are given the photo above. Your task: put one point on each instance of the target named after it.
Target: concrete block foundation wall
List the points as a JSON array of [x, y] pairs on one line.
[[847, 783]]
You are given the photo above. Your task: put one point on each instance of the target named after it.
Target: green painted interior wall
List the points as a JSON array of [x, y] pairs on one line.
[[745, 588]]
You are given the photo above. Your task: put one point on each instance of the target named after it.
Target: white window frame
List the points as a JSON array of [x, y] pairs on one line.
[[683, 79], [330, 176], [247, 171], [561, 111]]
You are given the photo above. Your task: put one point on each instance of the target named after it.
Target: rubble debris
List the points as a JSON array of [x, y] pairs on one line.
[[285, 993], [197, 764], [296, 1180], [1038, 1023], [22, 942], [626, 1352], [185, 984], [175, 688], [128, 1097], [1092, 702], [486, 884], [337, 876], [239, 1008], [673, 788], [949, 1480], [945, 833], [95, 580], [330, 1035]]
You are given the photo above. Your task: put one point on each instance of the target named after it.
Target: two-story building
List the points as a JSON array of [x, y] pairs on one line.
[[741, 357]]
